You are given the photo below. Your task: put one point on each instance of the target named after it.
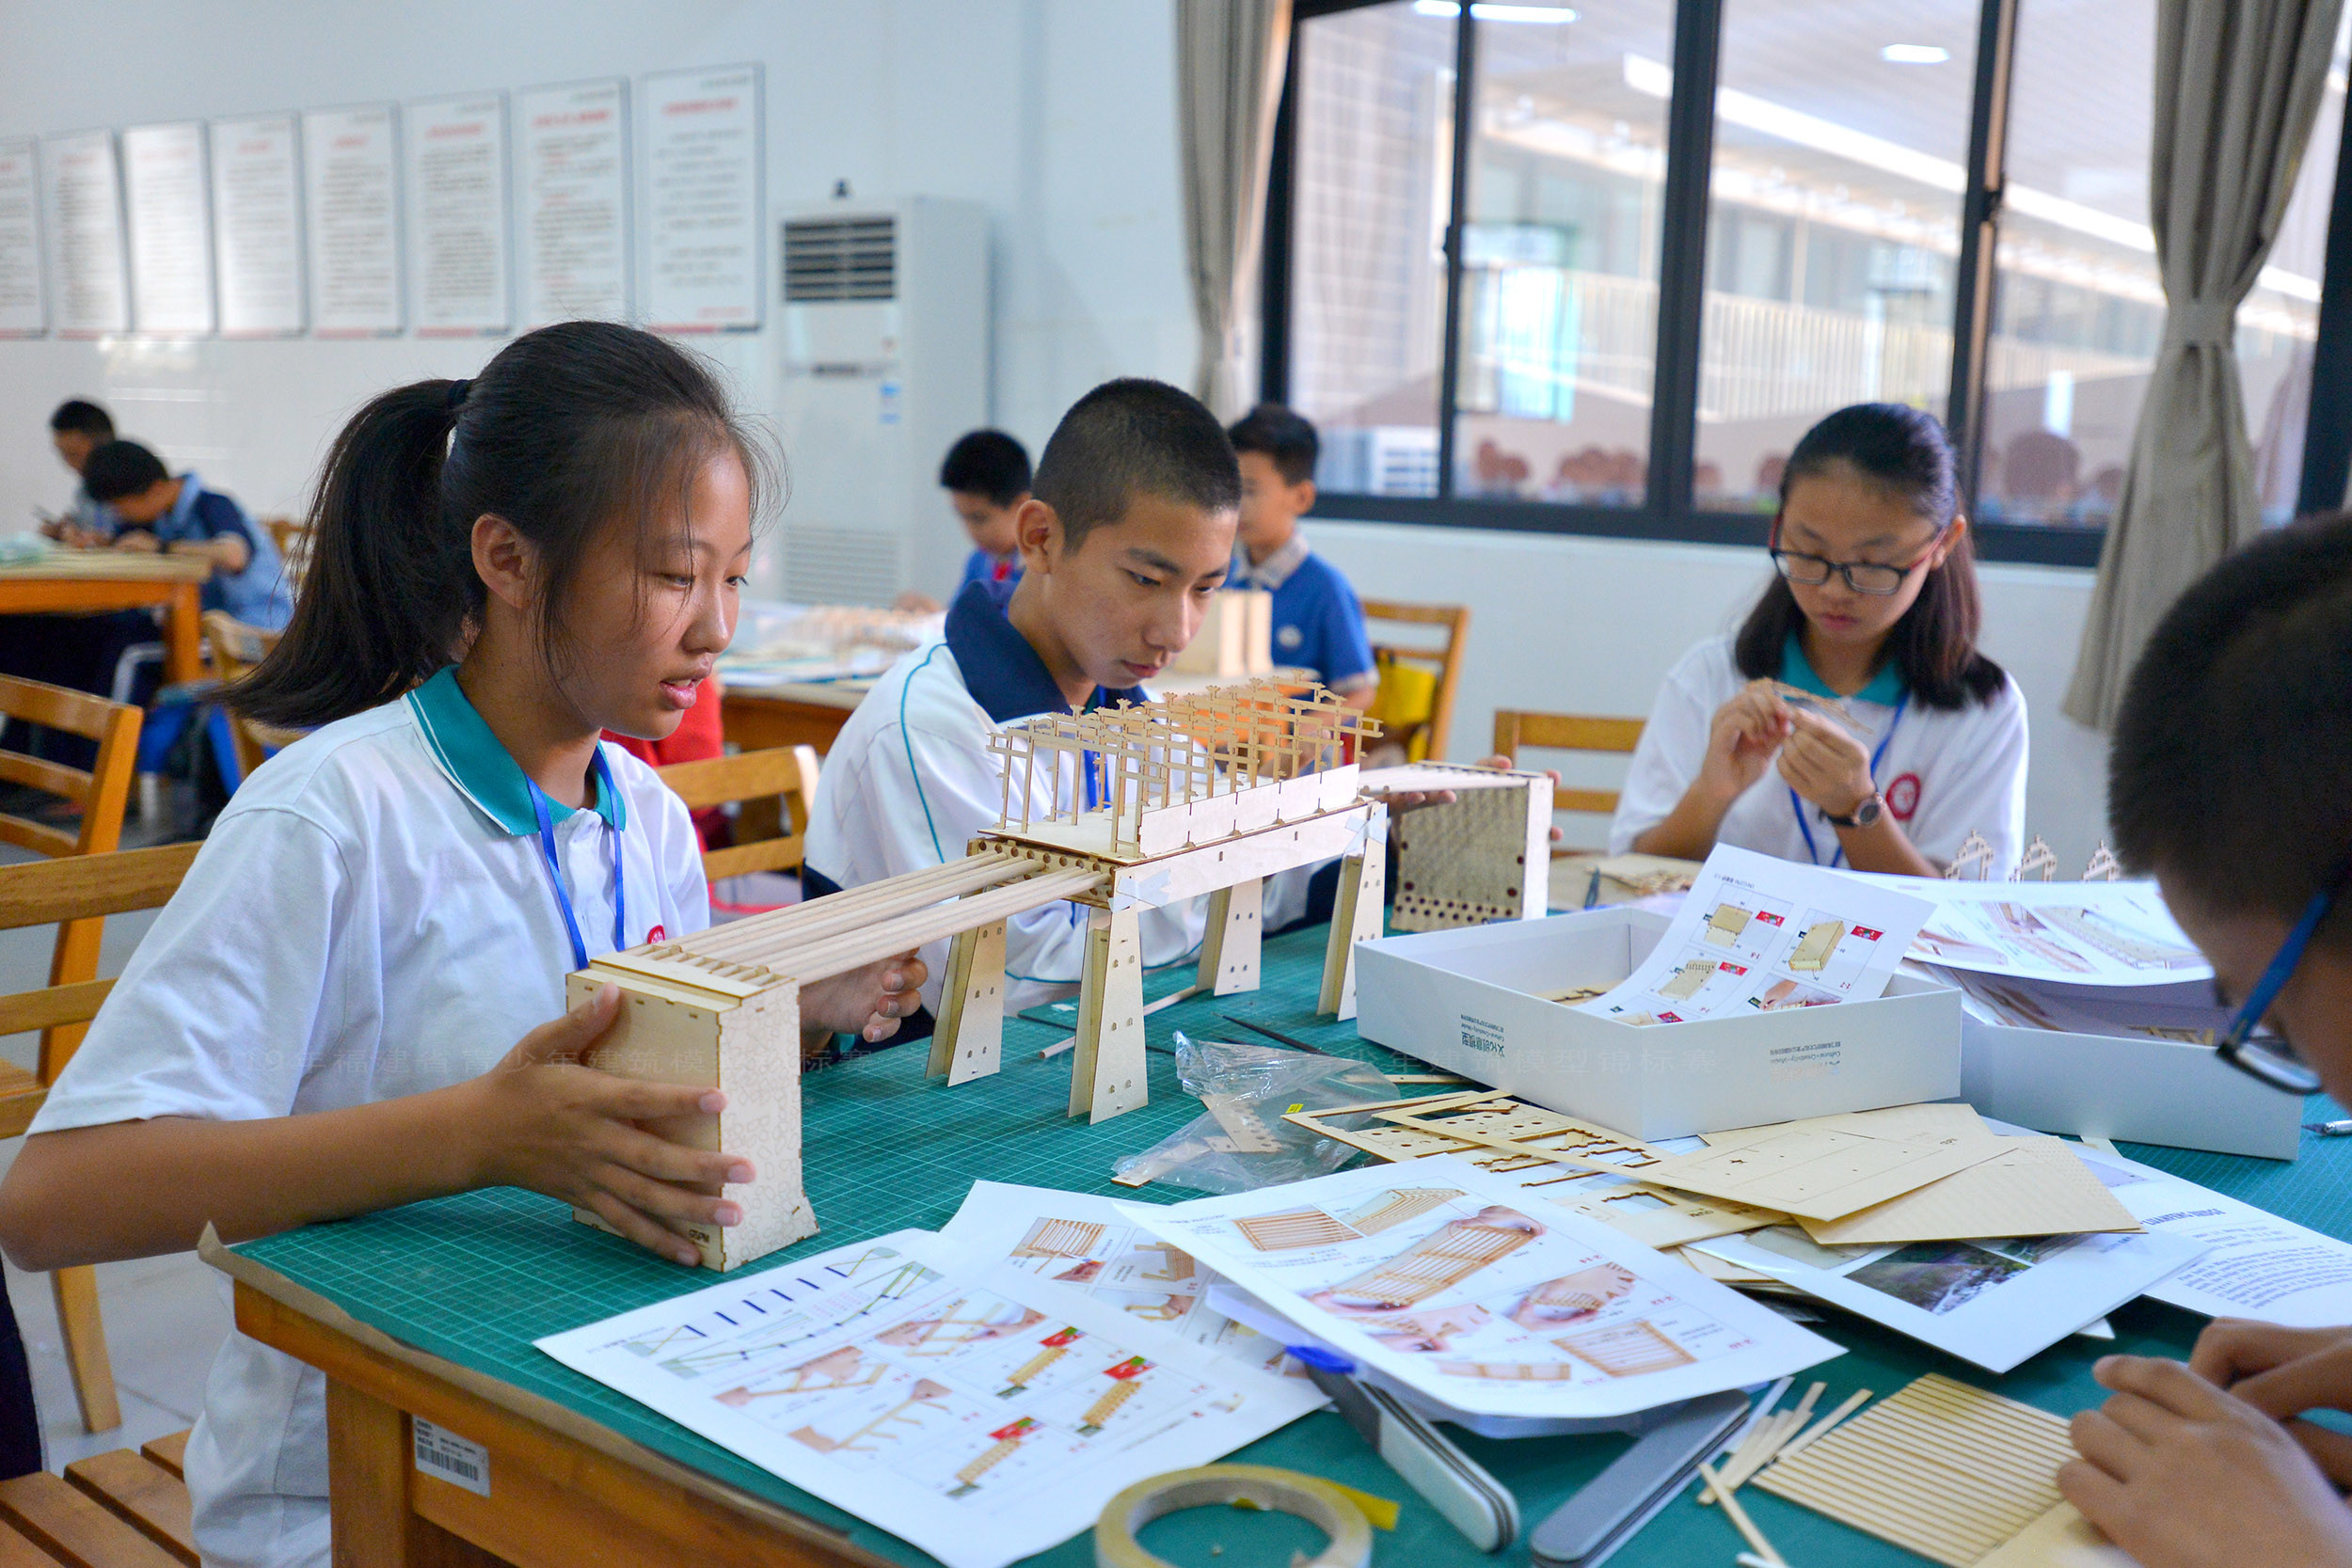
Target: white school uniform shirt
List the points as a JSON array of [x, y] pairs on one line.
[[371, 917], [909, 781], [1945, 774]]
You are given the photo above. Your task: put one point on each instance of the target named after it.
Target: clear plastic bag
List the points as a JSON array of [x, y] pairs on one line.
[[1243, 1143]]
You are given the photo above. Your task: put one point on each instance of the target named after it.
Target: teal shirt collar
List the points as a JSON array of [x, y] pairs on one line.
[[481, 767], [1885, 689]]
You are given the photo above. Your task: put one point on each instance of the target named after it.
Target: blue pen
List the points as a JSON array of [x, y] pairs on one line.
[[1592, 889]]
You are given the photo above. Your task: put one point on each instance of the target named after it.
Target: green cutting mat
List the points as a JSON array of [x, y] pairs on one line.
[[476, 1278]]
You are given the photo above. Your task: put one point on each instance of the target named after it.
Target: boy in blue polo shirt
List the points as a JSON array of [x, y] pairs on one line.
[[179, 515], [1318, 623], [985, 475]]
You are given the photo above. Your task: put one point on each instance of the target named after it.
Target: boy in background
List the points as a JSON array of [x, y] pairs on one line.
[[76, 429], [1318, 622], [985, 475], [179, 515], [2231, 780], [1129, 533]]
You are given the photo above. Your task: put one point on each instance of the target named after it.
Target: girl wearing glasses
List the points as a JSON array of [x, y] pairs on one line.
[[1851, 720]]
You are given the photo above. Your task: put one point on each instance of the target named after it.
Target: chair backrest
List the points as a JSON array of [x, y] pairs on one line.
[[236, 648], [68, 892], [291, 537], [1567, 732], [1445, 659], [101, 790], [774, 787]]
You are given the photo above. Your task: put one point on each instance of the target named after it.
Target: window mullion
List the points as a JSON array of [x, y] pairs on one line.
[[1683, 256], [1979, 234], [1458, 198]]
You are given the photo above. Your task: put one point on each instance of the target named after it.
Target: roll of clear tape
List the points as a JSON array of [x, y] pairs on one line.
[[1320, 1503]]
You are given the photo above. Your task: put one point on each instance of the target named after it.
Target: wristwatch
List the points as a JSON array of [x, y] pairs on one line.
[[1865, 813]]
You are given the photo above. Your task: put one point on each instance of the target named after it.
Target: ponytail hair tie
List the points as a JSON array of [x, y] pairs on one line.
[[458, 390]]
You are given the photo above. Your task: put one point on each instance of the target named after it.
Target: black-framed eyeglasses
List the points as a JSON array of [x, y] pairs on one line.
[[1873, 578], [2270, 1057]]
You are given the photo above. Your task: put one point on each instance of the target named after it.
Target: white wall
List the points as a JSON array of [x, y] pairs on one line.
[[1590, 625], [1058, 115]]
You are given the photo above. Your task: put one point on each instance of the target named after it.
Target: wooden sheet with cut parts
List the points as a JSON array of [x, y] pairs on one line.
[[2061, 1537], [1597, 1169], [1941, 1469], [2032, 1187], [1816, 1172]]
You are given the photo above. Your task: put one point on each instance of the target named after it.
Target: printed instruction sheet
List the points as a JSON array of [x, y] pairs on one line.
[[2257, 1265], [1990, 1301], [1445, 1278], [1759, 934], [977, 1412], [2085, 933], [2183, 1011], [1093, 1245]]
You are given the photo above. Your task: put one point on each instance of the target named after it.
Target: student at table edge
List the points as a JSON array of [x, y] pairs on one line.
[[2229, 781], [1873, 607], [1127, 533], [324, 1020], [1318, 621]]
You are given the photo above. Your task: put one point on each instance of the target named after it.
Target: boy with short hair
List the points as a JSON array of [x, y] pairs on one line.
[[1318, 622], [77, 428], [2230, 782], [985, 475], [1129, 533], [179, 515]]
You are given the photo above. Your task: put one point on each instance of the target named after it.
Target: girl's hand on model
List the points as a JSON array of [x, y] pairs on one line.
[[545, 1122], [2284, 1373], [2182, 1475], [1742, 737], [1825, 764], [867, 1002]]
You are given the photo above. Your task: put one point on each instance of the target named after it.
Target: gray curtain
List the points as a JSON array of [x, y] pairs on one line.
[[1230, 59], [2239, 82]]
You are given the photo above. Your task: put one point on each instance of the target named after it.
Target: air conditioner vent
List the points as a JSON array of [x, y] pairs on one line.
[[830, 258], [836, 565]]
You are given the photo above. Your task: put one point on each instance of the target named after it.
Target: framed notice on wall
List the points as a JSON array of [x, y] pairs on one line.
[[351, 199], [571, 175], [456, 176], [82, 219], [704, 199], [257, 225], [24, 312], [170, 225]]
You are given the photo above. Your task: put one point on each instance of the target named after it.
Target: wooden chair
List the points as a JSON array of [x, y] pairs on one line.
[[119, 1510], [1568, 732], [774, 786], [291, 537], [1425, 740], [75, 893], [236, 648]]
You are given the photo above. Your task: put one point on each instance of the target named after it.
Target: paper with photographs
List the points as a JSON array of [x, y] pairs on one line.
[[1992, 1301], [976, 1412], [1757, 934], [1446, 1278]]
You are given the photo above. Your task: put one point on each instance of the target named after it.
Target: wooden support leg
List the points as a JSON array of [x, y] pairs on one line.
[[1228, 948], [1106, 1077], [969, 1042], [84, 1333], [371, 1471], [1355, 917]]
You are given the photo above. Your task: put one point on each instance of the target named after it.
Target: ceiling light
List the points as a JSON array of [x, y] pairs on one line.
[[1551, 15], [1915, 53]]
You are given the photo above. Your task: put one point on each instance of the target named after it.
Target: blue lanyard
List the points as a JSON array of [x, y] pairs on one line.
[[555, 875], [1812, 852]]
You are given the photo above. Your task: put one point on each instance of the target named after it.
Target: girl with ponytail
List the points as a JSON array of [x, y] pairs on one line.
[[326, 1019]]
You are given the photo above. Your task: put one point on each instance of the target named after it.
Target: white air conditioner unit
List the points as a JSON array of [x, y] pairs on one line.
[[882, 361]]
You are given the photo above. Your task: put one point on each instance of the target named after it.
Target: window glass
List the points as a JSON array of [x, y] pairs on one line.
[[1832, 235], [1372, 183], [1559, 321]]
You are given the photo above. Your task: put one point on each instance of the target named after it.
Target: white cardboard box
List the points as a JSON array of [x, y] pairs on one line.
[[2147, 1091], [1464, 1001]]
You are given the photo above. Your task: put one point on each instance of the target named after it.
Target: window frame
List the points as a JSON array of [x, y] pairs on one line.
[[1669, 510]]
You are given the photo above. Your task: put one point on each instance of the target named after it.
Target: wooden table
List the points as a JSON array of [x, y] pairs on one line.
[[72, 580], [560, 1494]]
